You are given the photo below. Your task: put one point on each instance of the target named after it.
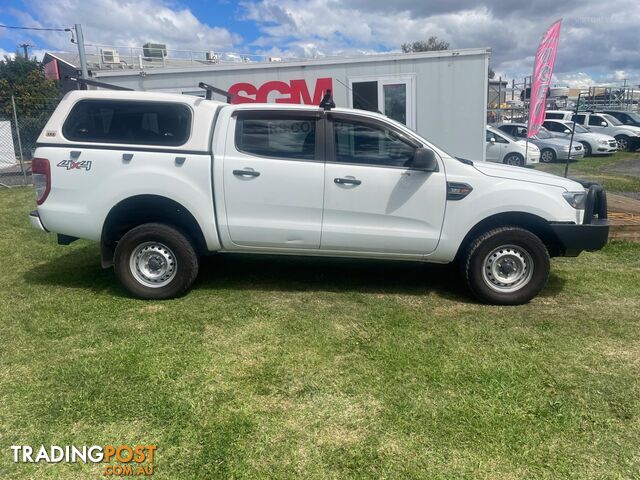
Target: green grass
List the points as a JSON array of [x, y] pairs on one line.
[[274, 368], [596, 169]]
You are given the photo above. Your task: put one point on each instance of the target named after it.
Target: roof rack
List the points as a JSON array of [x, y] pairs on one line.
[[83, 82], [210, 89]]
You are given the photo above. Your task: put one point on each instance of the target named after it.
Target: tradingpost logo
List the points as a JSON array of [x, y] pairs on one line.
[[121, 460]]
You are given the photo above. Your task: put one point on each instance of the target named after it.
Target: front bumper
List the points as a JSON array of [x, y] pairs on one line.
[[593, 233], [34, 219]]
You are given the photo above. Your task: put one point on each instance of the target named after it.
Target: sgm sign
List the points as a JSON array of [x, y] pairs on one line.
[[295, 91]]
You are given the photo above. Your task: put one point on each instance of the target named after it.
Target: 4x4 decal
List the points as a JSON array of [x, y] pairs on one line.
[[79, 165]]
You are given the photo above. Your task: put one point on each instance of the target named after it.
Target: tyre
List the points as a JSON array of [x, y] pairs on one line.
[[514, 159], [155, 261], [506, 266], [547, 155], [623, 143], [587, 149]]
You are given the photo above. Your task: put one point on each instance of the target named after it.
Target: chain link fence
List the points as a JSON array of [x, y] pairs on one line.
[[19, 130]]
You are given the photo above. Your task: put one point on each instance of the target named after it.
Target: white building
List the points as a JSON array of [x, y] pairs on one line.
[[442, 95]]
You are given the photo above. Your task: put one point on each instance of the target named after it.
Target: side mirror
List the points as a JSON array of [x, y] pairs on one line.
[[604, 124], [424, 160], [567, 131], [492, 139]]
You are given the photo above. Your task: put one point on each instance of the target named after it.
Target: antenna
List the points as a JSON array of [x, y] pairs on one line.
[[211, 90], [327, 102]]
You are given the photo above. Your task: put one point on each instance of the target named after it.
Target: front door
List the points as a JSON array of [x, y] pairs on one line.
[[274, 179], [374, 201], [496, 147]]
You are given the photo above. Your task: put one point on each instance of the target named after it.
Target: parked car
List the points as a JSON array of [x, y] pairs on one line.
[[627, 136], [551, 148], [626, 118], [503, 148], [558, 114], [593, 143], [160, 179]]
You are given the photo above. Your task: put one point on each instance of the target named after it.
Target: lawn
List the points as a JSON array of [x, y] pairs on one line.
[[609, 170], [310, 368]]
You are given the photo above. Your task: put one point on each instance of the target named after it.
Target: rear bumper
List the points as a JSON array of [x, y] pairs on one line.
[[34, 219]]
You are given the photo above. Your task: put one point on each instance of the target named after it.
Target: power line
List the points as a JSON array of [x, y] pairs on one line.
[[35, 28]]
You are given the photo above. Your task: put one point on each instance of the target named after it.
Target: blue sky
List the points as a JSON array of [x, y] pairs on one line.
[[598, 43]]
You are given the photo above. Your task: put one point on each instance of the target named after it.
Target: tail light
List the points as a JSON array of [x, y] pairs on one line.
[[41, 174]]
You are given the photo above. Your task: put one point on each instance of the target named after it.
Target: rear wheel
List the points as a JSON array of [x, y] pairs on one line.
[[547, 155], [155, 261], [506, 266], [587, 149], [623, 143], [514, 159]]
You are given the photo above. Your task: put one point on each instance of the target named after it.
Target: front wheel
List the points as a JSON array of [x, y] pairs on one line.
[[514, 159], [623, 143], [506, 266], [547, 155], [587, 149], [155, 261]]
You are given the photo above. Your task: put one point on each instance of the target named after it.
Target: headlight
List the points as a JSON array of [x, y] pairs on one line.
[[576, 199], [603, 141]]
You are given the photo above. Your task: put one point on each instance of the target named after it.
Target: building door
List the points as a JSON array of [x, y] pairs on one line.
[[392, 96]]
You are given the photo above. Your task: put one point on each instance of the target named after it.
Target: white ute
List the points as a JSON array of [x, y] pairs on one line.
[[161, 179]]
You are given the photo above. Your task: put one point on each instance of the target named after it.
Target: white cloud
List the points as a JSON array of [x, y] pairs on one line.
[[601, 43], [126, 23], [4, 53]]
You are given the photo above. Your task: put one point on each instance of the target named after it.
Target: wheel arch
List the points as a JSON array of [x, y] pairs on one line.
[[139, 209], [528, 221]]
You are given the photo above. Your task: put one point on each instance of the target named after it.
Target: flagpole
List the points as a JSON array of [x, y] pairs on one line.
[[573, 131]]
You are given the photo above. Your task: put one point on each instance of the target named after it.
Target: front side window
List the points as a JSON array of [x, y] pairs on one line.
[[595, 120], [129, 122], [578, 119], [370, 144], [276, 136], [554, 126]]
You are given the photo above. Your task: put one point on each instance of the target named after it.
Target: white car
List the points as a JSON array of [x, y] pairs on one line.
[[160, 179], [503, 148], [594, 143], [627, 136]]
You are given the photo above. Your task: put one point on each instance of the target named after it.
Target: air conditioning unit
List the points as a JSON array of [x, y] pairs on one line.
[[212, 57], [109, 55]]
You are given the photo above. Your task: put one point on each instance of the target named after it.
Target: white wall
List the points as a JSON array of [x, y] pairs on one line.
[[450, 90]]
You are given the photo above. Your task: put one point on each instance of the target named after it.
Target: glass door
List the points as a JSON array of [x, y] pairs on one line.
[[392, 96]]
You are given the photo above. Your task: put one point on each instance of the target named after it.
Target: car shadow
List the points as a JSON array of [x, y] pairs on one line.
[[81, 269]]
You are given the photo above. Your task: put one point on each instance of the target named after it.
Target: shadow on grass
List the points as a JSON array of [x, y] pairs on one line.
[[81, 269]]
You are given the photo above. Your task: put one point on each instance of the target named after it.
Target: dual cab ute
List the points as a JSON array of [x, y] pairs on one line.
[[161, 179]]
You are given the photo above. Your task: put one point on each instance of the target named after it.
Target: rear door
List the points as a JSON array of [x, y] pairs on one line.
[[274, 178], [374, 200]]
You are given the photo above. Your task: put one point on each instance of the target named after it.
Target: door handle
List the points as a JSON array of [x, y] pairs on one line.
[[347, 181], [127, 157], [246, 173], [75, 153]]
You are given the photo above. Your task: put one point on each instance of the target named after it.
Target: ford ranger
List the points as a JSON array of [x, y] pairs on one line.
[[161, 179]]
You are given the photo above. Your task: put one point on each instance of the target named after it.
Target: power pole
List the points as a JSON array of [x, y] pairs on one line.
[[83, 57], [25, 48]]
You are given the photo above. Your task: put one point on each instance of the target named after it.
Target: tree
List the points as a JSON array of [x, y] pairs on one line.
[[24, 79], [491, 73], [431, 45], [35, 97]]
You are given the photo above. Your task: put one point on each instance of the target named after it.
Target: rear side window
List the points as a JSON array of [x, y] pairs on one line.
[[555, 116], [118, 121], [578, 119], [275, 135]]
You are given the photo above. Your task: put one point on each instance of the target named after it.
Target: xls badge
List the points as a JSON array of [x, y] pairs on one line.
[[79, 165]]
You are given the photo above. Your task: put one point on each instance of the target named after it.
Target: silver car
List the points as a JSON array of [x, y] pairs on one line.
[[551, 148], [593, 143]]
